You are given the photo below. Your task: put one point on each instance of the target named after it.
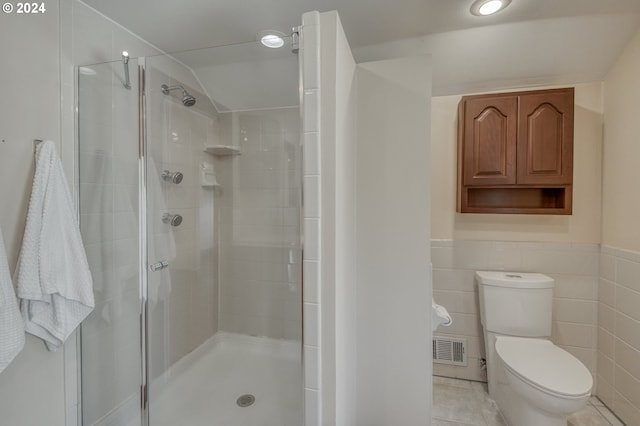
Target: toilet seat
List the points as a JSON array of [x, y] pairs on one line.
[[545, 366]]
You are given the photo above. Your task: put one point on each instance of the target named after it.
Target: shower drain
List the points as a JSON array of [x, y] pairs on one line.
[[246, 400]]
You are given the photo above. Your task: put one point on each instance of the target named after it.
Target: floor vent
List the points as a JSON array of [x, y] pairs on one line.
[[449, 350]]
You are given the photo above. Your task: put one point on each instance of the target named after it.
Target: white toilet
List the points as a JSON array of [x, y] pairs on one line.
[[534, 382]]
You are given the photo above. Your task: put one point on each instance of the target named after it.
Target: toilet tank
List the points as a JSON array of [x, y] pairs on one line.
[[515, 303]]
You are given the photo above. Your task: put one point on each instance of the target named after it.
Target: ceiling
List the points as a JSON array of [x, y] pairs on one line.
[[532, 42], [175, 25], [245, 76]]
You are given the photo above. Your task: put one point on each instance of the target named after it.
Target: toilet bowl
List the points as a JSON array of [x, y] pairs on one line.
[[533, 381], [549, 382]]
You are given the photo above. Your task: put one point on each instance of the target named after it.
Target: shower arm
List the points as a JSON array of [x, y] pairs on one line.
[[125, 63], [187, 99]]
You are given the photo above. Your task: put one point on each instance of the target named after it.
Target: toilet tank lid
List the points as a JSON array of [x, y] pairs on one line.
[[514, 279]]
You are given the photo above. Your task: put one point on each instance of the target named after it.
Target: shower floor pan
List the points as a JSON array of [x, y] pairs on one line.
[[203, 388]]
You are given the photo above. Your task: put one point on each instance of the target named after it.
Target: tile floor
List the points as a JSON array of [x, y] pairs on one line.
[[464, 403]]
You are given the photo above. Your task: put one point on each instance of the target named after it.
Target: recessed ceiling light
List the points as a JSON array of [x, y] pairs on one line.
[[271, 39], [488, 7]]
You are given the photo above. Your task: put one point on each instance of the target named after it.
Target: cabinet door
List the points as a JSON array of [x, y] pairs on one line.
[[545, 138], [489, 140]]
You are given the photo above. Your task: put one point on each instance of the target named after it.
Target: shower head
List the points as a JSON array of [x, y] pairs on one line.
[[187, 99]]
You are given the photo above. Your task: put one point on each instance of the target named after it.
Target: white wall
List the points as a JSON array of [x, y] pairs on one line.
[[338, 215], [393, 257], [336, 68], [619, 295], [32, 387], [346, 245], [621, 194], [375, 236]]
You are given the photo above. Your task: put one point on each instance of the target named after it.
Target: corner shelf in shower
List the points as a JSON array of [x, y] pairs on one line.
[[222, 150]]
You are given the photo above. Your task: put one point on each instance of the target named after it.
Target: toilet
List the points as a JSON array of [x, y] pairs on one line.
[[533, 381]]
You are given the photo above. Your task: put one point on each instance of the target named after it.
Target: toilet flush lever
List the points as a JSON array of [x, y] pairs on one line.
[[158, 266]]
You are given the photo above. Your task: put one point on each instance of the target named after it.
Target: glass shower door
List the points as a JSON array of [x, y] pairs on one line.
[[182, 286], [109, 199]]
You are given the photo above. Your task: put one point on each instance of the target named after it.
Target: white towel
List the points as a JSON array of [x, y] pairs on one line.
[[52, 277], [11, 325]]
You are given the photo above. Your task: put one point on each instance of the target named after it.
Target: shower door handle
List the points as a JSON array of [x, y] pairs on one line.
[[158, 266]]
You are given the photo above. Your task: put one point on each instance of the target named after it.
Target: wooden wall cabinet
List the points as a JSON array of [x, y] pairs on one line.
[[515, 152]]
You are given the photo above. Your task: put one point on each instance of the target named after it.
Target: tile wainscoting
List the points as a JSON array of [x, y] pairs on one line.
[[618, 356]]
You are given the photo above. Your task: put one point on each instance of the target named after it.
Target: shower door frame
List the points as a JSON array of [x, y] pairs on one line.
[[142, 242]]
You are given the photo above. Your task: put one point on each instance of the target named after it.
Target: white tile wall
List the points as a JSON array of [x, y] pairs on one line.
[[618, 357], [261, 262], [310, 53], [574, 267]]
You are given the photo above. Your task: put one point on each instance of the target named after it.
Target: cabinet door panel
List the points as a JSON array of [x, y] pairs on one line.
[[545, 138], [490, 131]]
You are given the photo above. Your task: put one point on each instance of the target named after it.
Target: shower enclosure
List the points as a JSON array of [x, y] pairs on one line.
[[190, 207]]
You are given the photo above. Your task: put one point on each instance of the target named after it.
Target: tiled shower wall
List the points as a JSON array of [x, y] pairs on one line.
[[574, 267], [260, 195], [619, 333]]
